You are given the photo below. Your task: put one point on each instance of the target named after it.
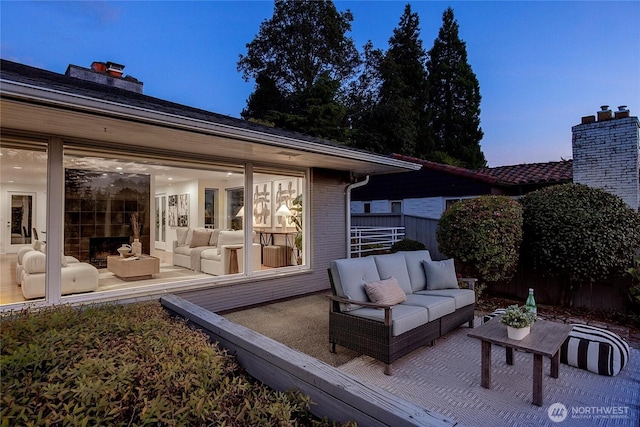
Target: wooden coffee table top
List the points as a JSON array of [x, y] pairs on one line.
[[545, 338]]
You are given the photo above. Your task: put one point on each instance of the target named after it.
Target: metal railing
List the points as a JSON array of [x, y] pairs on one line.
[[368, 240]]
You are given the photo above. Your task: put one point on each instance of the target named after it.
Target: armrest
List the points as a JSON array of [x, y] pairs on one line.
[[175, 245], [387, 308], [470, 282]]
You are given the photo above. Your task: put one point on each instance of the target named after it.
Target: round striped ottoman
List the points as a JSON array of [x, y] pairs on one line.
[[595, 350]]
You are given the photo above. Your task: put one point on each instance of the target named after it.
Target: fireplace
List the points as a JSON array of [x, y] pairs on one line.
[[101, 247]]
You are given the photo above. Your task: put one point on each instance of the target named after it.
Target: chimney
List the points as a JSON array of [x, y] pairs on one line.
[[604, 113], [622, 112], [606, 154], [105, 73]]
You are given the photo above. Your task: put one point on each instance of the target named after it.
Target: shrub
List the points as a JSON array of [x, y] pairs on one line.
[[132, 365], [579, 234], [407, 245], [483, 235]]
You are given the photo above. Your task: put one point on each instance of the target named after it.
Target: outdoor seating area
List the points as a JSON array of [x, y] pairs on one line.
[[386, 306], [445, 379]]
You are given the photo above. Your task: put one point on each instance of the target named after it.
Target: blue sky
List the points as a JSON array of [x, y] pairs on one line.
[[541, 65]]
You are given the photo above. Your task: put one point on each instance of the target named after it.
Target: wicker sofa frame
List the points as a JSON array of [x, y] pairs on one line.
[[375, 339]]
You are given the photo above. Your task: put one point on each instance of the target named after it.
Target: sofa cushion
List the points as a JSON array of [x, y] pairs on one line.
[[211, 254], [461, 297], [181, 235], [405, 317], [595, 350], [190, 232], [386, 291], [183, 250], [440, 274], [215, 233], [34, 262], [414, 268], [230, 237], [200, 238], [39, 245], [437, 307], [349, 277], [394, 265]]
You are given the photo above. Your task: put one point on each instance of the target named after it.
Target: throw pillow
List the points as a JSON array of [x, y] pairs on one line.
[[214, 237], [386, 292], [63, 260], [200, 238], [181, 234], [440, 274]]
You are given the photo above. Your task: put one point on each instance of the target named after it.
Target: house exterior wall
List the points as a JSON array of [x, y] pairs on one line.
[[606, 155], [328, 227]]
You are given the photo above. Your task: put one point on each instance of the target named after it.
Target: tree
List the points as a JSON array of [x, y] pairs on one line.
[[299, 59], [396, 123], [454, 99]]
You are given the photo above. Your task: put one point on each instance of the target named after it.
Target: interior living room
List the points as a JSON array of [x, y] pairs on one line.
[[131, 221]]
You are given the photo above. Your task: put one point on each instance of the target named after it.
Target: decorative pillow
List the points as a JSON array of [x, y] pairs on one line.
[[37, 245], [63, 260], [214, 237], [181, 234], [190, 231], [200, 238], [440, 274], [386, 291]]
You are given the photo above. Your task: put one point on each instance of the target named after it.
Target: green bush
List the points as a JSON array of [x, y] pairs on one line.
[[128, 365], [579, 234], [407, 245], [483, 235]]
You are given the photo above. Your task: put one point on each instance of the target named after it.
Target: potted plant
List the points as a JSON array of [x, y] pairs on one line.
[[518, 320]]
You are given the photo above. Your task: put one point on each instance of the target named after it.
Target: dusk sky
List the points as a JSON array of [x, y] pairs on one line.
[[541, 65]]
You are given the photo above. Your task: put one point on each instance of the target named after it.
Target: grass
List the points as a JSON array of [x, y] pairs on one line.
[[129, 365]]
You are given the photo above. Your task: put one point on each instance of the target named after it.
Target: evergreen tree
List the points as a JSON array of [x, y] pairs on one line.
[[454, 99], [299, 60], [400, 114]]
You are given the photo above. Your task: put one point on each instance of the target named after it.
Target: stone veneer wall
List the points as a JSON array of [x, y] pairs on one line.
[[606, 154]]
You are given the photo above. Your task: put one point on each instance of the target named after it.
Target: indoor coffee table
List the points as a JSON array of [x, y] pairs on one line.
[[545, 339], [133, 268]]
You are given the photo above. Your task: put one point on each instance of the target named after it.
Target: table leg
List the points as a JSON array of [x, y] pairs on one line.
[[485, 376], [537, 379], [233, 261], [509, 355], [555, 365]]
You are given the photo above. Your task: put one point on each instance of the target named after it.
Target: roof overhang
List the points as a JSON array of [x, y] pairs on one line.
[[45, 111]]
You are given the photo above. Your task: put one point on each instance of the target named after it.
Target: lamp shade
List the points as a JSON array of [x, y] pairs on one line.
[[283, 210], [240, 212]]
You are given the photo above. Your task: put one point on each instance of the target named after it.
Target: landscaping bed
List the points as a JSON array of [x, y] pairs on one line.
[[129, 365]]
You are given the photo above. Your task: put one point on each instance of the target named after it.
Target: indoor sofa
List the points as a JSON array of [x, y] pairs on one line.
[[386, 306], [36, 246], [76, 276], [210, 250]]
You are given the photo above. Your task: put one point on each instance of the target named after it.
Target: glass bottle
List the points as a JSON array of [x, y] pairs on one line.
[[531, 303]]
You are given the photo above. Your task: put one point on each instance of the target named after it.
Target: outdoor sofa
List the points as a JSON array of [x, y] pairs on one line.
[[370, 315]]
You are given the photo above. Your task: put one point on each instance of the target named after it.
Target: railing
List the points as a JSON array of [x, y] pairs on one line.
[[368, 240]]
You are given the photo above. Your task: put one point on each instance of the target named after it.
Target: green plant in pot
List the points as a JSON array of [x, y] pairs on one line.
[[518, 320]]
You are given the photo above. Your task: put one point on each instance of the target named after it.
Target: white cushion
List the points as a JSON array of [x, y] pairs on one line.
[[228, 237], [211, 254], [440, 274], [181, 234], [215, 233], [386, 292], [34, 262]]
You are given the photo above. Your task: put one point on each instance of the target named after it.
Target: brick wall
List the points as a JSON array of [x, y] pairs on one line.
[[606, 154]]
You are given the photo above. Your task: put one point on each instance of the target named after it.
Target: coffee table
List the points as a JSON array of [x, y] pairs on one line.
[[545, 339], [133, 268]]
